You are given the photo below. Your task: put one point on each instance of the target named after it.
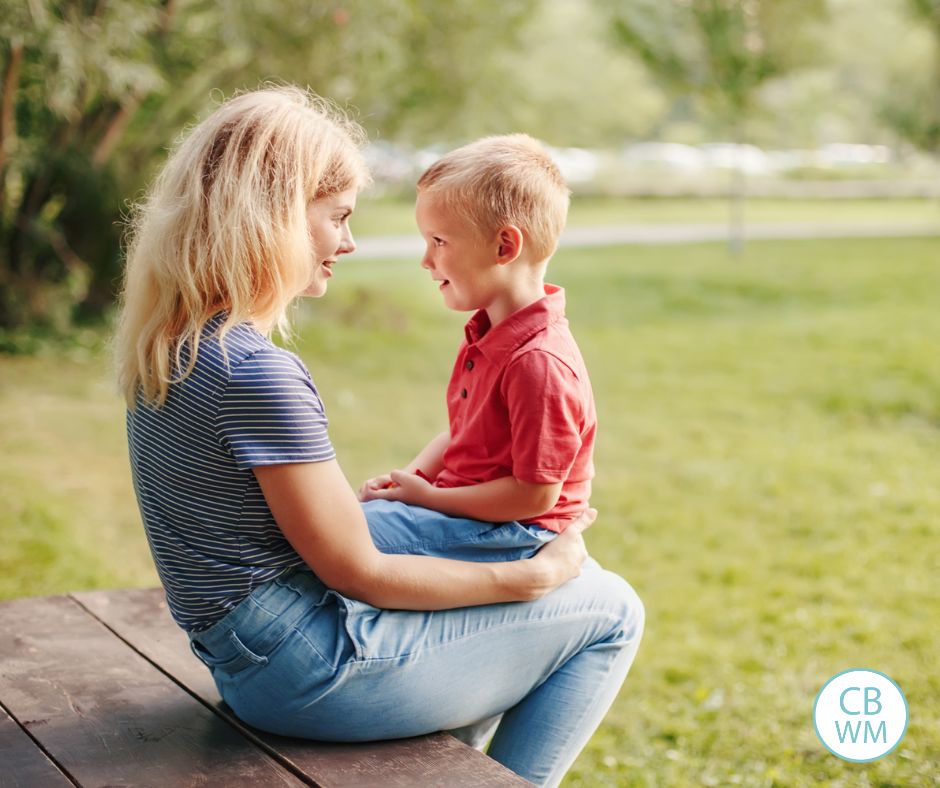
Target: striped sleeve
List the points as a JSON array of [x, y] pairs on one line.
[[270, 413]]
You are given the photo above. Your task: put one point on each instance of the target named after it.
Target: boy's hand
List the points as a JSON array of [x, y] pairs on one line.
[[400, 486], [380, 482]]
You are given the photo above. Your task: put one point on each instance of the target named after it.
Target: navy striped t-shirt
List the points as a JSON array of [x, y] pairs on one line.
[[212, 535]]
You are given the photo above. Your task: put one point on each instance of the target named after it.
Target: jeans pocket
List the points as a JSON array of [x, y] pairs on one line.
[[356, 620], [233, 658]]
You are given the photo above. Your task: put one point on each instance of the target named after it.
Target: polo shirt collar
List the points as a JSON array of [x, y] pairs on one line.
[[496, 342]]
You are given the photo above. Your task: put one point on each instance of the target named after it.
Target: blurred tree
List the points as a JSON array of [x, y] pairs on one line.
[[719, 53], [875, 55], [915, 111], [577, 86], [93, 91], [73, 76]]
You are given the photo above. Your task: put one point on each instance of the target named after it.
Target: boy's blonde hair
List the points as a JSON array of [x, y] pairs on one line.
[[502, 180], [224, 228]]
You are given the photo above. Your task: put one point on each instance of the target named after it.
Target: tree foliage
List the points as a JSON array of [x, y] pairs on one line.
[[718, 51], [73, 76], [915, 112], [94, 90]]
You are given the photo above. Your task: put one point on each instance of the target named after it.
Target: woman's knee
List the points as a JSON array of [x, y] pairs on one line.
[[621, 602]]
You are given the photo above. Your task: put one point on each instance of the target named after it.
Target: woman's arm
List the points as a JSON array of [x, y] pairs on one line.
[[317, 511]]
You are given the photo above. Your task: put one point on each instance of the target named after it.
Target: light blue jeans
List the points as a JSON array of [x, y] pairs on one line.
[[401, 528], [298, 659]]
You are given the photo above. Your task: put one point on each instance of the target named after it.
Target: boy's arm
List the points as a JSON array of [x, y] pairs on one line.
[[318, 514], [430, 460], [543, 399], [496, 501]]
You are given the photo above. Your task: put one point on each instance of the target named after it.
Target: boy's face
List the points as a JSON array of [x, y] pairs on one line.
[[458, 256]]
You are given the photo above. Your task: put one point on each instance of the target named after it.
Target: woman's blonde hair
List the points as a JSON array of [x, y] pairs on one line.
[[501, 180], [224, 229]]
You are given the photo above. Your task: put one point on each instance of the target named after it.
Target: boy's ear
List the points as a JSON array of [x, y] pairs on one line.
[[510, 242]]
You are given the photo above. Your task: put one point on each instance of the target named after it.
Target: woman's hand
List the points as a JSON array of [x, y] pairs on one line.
[[319, 515], [562, 558]]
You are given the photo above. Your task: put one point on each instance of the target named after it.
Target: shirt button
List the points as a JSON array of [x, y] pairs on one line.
[[469, 365], [463, 393]]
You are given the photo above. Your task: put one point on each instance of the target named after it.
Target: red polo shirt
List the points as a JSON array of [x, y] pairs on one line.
[[520, 404]]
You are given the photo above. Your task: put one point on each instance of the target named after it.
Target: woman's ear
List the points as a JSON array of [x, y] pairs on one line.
[[510, 244]]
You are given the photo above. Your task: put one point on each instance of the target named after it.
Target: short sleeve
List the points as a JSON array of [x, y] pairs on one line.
[[546, 415], [270, 413]]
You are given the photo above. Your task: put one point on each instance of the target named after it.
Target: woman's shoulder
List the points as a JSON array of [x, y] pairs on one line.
[[268, 363], [243, 346]]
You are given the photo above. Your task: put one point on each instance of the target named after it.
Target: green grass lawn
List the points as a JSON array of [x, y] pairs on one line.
[[394, 217], [767, 480]]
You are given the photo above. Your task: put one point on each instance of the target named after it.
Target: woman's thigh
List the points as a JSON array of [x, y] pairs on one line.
[[409, 673]]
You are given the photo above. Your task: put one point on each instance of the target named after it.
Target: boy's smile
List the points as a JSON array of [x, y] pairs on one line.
[[458, 256], [476, 270]]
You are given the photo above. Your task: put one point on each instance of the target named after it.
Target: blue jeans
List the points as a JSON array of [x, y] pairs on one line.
[[401, 528], [298, 659]]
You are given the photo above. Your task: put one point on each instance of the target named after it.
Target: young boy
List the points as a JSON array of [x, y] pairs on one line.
[[518, 452]]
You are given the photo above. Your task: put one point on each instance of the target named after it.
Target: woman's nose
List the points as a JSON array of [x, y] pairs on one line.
[[346, 245]]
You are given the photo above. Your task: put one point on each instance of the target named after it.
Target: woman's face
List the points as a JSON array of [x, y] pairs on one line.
[[330, 236]]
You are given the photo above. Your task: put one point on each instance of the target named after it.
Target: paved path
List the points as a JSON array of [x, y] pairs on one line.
[[391, 246]]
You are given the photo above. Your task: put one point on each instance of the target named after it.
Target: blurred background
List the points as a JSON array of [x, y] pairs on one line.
[[752, 266], [787, 99]]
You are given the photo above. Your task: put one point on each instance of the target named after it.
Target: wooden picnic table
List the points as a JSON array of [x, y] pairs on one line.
[[100, 689]]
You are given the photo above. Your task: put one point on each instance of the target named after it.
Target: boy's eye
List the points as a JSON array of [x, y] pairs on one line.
[[438, 241]]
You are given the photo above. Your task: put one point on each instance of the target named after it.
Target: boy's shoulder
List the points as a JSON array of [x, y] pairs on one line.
[[555, 340]]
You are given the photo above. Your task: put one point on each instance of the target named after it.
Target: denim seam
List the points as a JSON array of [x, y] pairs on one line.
[[587, 712], [489, 630], [272, 618]]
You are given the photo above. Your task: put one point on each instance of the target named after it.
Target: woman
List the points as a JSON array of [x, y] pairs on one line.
[[259, 540]]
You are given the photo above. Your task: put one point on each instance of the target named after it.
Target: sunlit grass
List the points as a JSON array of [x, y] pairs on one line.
[[767, 480]]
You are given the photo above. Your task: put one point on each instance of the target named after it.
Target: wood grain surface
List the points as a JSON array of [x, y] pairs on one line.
[[102, 689]]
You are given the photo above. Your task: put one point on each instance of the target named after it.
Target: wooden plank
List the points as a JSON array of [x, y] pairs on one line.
[[106, 715], [22, 763], [141, 618]]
